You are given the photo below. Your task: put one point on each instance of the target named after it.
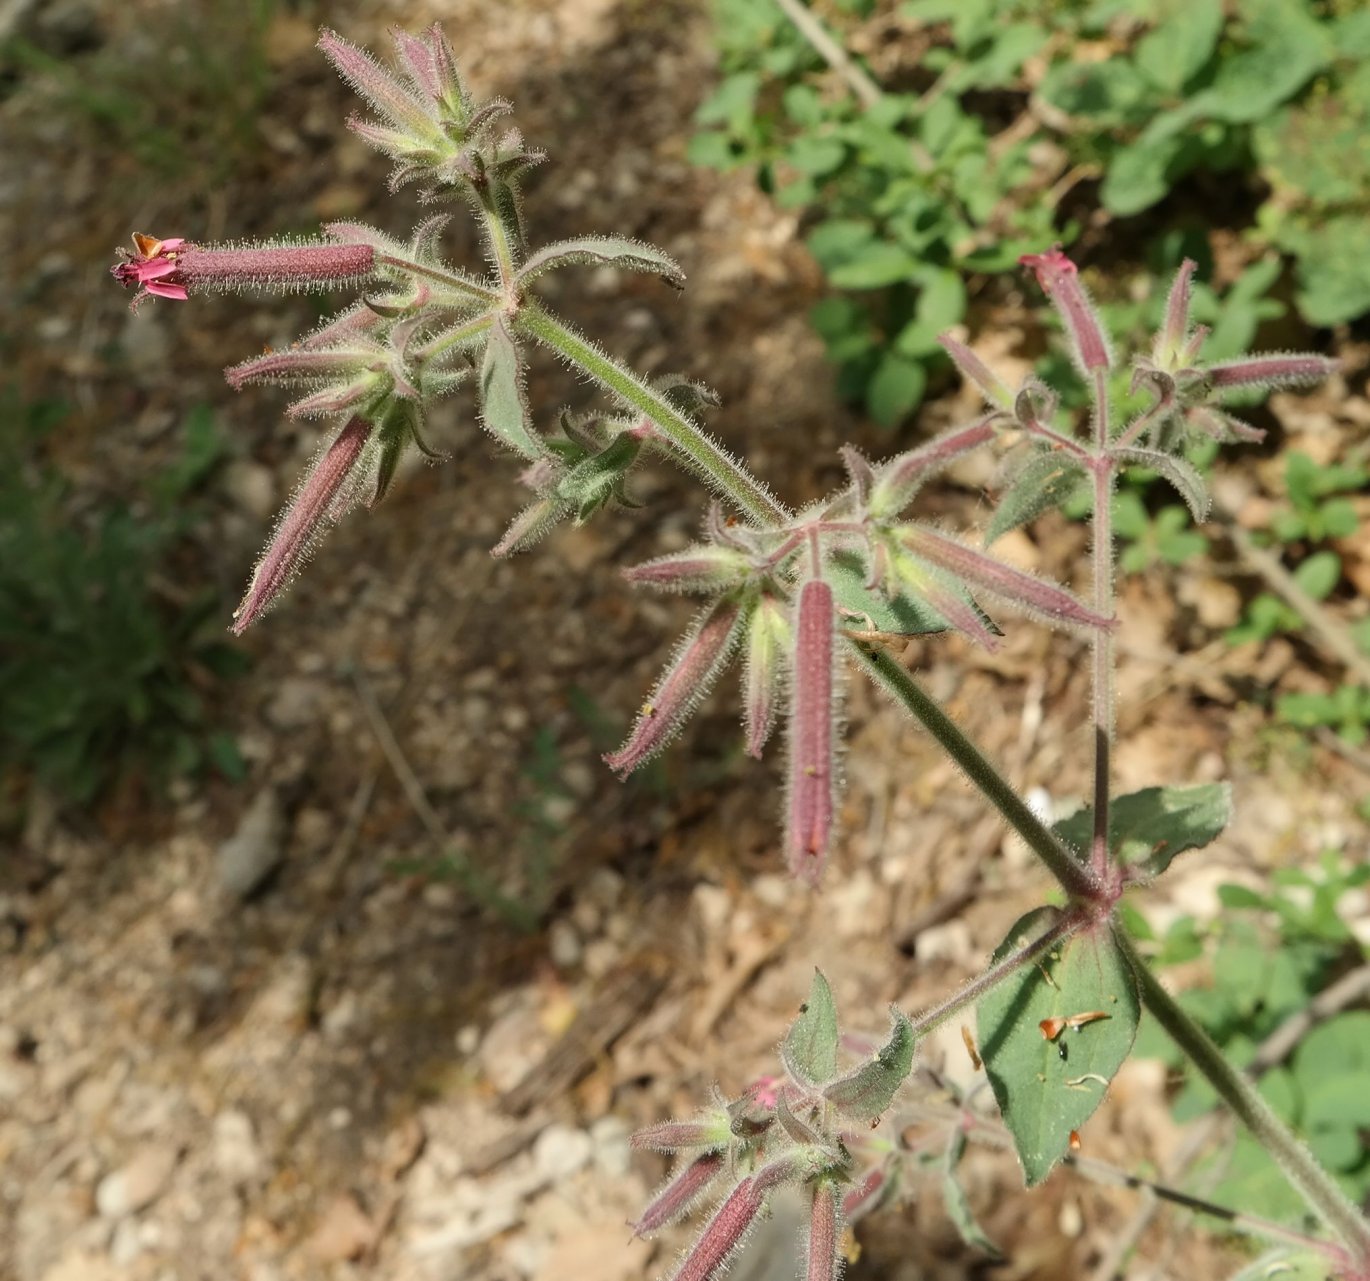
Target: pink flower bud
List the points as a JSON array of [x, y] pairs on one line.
[[700, 568], [724, 1234], [1060, 280], [812, 781], [1033, 594], [393, 100], [313, 504], [822, 1262], [699, 659], [901, 477], [431, 66], [303, 364], [680, 1193], [1283, 370], [1170, 342], [673, 1136], [974, 370]]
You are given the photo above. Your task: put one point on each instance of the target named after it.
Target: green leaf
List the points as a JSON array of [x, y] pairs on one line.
[[1238, 896], [941, 304], [504, 407], [1183, 36], [1333, 269], [869, 610], [1042, 1095], [1285, 47], [875, 267], [958, 1206], [1185, 479], [1147, 829], [1048, 479], [895, 389], [816, 155], [1140, 175], [810, 1046], [1319, 574], [1105, 94], [611, 251], [866, 1093]]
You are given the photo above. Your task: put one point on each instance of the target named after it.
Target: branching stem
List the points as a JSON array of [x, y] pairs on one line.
[[702, 455]]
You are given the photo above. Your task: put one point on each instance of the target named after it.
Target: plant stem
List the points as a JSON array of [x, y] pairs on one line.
[[1101, 638], [705, 457], [1237, 1220], [993, 1134], [1068, 924], [1300, 1167], [499, 236], [1076, 880], [456, 280]]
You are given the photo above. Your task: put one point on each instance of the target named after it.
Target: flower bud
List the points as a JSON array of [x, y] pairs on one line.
[[768, 642], [724, 1234], [699, 659], [314, 504], [680, 1193], [900, 478], [813, 713], [1060, 281], [974, 370]]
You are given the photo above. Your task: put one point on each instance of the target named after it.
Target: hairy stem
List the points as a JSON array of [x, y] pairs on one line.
[[701, 454], [1101, 638], [456, 280], [1300, 1167], [970, 993], [993, 1134], [499, 236], [1077, 881]]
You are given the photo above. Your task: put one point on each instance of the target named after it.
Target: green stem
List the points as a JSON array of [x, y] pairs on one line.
[[1077, 880], [703, 455], [931, 1019], [1101, 638], [1235, 1220], [456, 280], [455, 337], [1322, 1193]]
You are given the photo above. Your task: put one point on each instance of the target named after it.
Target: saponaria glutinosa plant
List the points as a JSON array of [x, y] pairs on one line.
[[803, 596]]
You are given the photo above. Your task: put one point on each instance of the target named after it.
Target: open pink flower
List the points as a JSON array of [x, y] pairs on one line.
[[149, 268]]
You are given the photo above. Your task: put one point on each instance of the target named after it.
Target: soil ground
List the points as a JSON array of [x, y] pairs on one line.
[[364, 1069]]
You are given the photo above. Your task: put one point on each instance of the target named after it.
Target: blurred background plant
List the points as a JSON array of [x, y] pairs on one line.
[[184, 103], [992, 127], [107, 663], [1262, 963]]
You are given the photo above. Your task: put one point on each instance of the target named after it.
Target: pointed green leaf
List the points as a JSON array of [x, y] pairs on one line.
[[609, 251], [1047, 1088], [1185, 478], [1147, 829], [863, 1095], [1045, 482], [503, 405], [810, 1046], [869, 610], [958, 1207]]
